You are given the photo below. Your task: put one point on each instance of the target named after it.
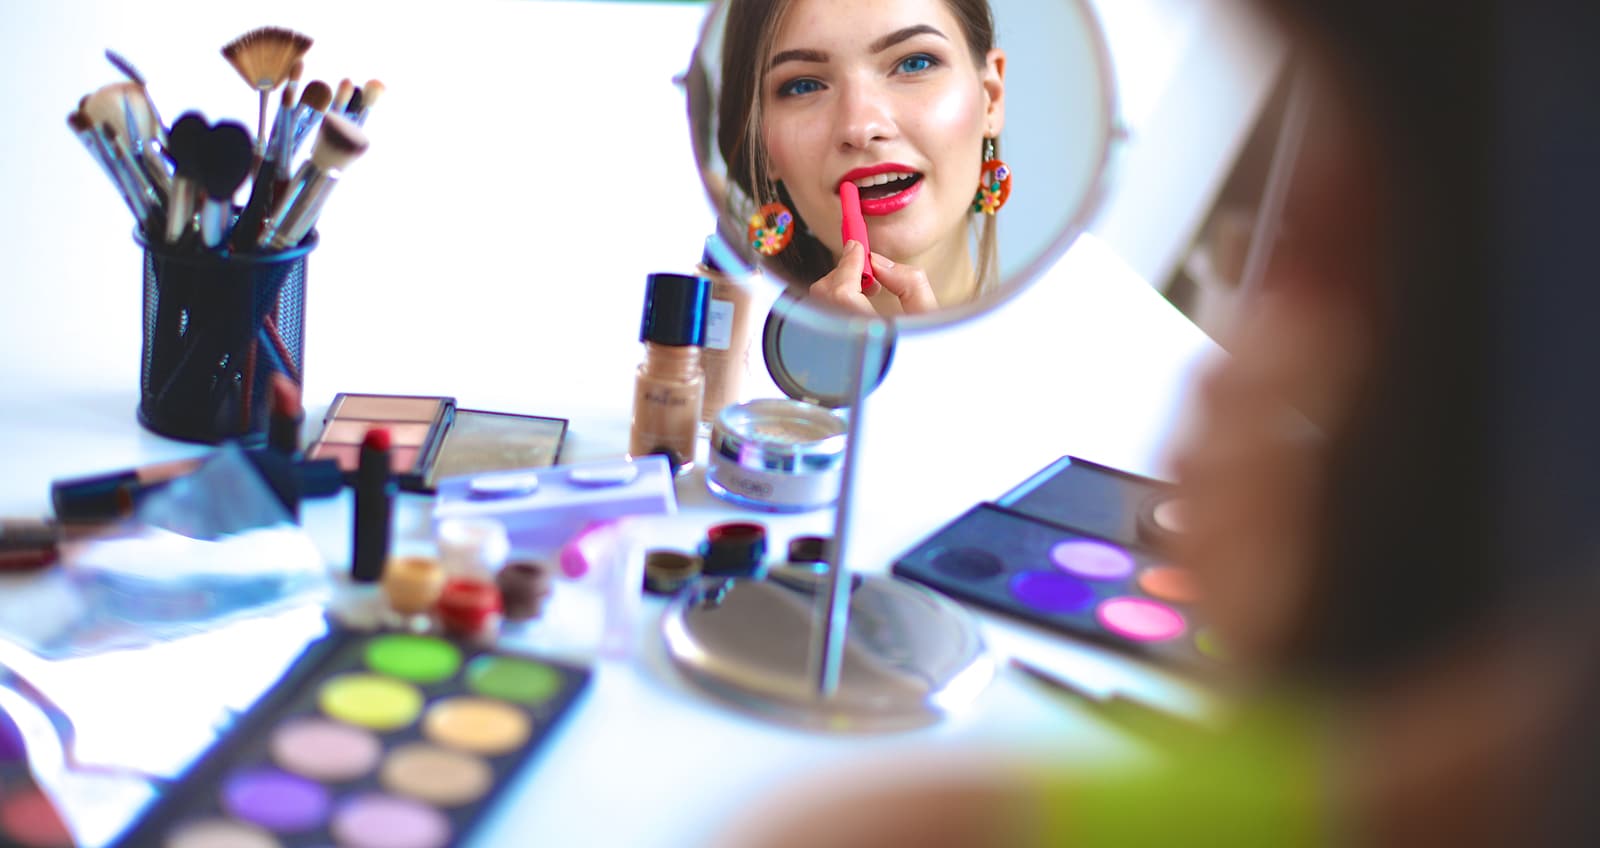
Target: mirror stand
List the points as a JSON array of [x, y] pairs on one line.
[[834, 650]]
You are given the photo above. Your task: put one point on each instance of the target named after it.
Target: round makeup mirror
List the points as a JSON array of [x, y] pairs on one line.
[[972, 140], [896, 99]]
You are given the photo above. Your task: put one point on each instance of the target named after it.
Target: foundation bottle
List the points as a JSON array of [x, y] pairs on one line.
[[670, 388], [727, 350]]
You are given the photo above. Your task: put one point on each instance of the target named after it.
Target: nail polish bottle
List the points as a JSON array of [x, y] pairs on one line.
[[726, 357], [670, 388]]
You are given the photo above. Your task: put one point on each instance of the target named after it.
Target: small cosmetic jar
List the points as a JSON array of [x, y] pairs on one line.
[[776, 455]]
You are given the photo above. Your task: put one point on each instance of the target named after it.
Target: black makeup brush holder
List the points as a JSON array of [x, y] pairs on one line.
[[217, 326]]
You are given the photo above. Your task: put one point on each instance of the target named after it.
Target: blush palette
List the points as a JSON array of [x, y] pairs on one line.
[[1028, 556], [391, 740]]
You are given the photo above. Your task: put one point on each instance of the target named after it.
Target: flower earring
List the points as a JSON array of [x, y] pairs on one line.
[[994, 182], [771, 229]]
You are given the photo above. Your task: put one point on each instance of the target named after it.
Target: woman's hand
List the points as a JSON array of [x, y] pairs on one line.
[[842, 286]]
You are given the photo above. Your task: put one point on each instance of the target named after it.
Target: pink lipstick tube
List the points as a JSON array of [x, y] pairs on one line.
[[855, 227]]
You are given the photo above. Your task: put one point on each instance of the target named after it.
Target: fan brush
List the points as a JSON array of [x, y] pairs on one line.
[[265, 57]]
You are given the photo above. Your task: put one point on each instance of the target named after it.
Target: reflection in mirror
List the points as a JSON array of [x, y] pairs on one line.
[[826, 130], [978, 141]]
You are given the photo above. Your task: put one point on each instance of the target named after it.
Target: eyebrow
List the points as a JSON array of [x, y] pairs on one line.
[[882, 44]]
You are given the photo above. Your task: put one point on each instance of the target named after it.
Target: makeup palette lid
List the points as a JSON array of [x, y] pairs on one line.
[[812, 363], [675, 310]]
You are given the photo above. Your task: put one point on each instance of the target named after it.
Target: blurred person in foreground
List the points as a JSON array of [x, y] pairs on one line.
[[1405, 583]]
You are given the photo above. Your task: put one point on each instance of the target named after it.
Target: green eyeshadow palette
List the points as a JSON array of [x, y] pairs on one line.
[[386, 740]]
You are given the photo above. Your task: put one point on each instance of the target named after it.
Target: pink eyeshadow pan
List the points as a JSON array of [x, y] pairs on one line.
[[1140, 620], [351, 432], [387, 408]]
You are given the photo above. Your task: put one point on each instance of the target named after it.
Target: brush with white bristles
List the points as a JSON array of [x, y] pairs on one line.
[[339, 143], [264, 57]]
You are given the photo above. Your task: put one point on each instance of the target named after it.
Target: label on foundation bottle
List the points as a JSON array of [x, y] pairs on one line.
[[719, 325]]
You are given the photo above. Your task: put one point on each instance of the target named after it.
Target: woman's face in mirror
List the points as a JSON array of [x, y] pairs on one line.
[[893, 97]]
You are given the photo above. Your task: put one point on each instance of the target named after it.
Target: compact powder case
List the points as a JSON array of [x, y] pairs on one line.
[[776, 455]]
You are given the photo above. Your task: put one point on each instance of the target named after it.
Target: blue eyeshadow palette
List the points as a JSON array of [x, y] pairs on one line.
[[379, 740], [1074, 549]]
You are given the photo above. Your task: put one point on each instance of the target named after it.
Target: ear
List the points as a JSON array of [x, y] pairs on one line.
[[994, 90]]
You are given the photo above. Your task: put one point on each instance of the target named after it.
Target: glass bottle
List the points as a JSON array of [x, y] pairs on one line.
[[669, 390]]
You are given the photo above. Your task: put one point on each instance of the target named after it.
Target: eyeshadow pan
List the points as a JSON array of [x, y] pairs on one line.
[[432, 774], [275, 800], [1092, 560], [220, 833], [1140, 620], [419, 659], [382, 821], [387, 408], [518, 681], [325, 750], [968, 564], [28, 818], [352, 431], [1170, 583], [1048, 591], [370, 701], [477, 725]]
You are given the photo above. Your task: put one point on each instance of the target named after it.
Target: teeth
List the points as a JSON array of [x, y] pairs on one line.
[[882, 179]]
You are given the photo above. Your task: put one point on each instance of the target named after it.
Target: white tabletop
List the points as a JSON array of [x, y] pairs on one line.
[[529, 167]]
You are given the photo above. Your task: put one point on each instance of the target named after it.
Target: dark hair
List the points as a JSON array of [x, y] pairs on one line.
[[748, 39]]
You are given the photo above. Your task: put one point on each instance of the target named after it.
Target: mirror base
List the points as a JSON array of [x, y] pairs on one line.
[[911, 656]]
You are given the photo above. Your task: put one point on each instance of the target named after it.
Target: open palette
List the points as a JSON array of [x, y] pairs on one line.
[[383, 740], [433, 439], [1075, 549]]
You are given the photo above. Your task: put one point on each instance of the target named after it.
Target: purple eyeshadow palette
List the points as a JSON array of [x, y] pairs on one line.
[[374, 740], [1026, 556]]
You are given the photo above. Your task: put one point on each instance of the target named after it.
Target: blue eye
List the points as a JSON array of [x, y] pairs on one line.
[[916, 63], [799, 86]]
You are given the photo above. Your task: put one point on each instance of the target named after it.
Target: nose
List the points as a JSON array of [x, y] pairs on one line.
[[865, 115]]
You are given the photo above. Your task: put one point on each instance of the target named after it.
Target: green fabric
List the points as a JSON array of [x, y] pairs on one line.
[[1260, 782]]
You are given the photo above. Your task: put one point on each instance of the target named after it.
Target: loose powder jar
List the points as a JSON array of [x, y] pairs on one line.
[[777, 455]]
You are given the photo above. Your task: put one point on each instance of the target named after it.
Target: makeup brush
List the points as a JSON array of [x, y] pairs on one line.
[[369, 98], [314, 101], [339, 143], [341, 97], [225, 160], [183, 146], [354, 105], [270, 173], [91, 141], [154, 129], [108, 111], [264, 57]]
